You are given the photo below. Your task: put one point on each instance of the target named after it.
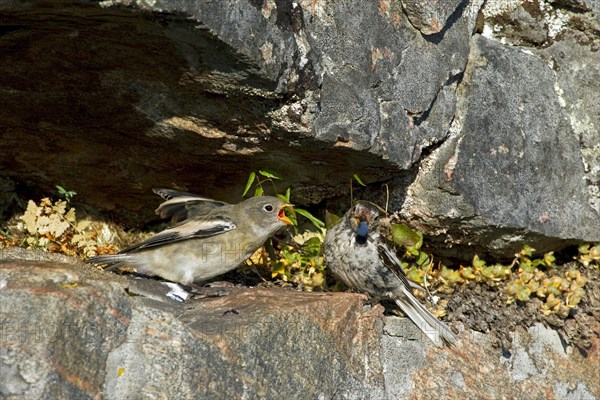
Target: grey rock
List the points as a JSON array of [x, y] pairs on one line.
[[517, 160], [516, 23], [522, 367], [431, 17], [115, 97], [578, 92], [402, 353], [513, 146], [72, 331], [581, 392]]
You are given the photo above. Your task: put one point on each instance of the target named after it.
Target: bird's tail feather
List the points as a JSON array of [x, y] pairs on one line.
[[435, 330], [113, 261]]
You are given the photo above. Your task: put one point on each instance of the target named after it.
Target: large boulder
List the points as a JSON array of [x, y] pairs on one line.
[[71, 331], [480, 116], [512, 171]]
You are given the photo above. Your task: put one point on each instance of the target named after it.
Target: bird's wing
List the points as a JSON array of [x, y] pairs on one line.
[[427, 322], [179, 206], [188, 229], [389, 259], [435, 330]]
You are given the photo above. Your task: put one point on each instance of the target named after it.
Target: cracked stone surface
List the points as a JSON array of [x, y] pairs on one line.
[[72, 331], [481, 118]]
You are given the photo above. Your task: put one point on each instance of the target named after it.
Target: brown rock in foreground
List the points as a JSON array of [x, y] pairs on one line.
[[71, 331]]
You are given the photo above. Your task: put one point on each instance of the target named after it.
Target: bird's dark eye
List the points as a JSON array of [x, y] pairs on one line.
[[268, 207]]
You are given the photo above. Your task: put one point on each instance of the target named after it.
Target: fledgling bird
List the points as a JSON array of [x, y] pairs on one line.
[[208, 237], [357, 253]]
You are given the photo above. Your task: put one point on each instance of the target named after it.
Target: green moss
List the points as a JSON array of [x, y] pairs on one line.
[[559, 287]]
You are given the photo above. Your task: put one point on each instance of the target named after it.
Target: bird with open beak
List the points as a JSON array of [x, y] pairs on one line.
[[207, 237]]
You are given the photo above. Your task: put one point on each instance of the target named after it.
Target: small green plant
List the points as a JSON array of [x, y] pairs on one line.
[[559, 292], [357, 179], [524, 277], [589, 255], [301, 262], [524, 261], [415, 262], [258, 179], [67, 194]]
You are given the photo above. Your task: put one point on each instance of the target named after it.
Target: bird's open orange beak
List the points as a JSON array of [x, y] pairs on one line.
[[282, 216]]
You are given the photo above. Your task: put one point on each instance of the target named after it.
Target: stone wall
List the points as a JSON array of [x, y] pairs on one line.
[[482, 119]]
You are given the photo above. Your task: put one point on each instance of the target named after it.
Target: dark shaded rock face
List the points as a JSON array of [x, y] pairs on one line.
[[482, 118], [112, 103], [71, 331]]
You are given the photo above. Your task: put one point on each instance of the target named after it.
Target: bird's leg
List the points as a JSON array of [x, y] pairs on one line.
[[372, 300], [191, 287], [202, 292]]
